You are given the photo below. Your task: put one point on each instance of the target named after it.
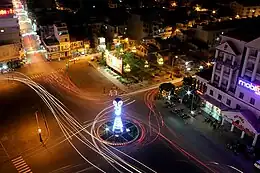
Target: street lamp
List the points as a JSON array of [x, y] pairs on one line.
[[127, 68], [134, 49], [146, 65], [191, 107], [160, 61]]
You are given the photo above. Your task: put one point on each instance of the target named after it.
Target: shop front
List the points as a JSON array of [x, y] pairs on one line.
[[245, 121], [212, 107]]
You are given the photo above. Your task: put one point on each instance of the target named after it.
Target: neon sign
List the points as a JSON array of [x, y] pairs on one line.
[[5, 12], [250, 86]]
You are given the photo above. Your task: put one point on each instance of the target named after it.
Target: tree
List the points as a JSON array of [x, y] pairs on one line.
[[103, 59], [169, 87], [187, 81]]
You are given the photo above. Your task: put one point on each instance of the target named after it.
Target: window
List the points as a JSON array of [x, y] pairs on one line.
[[228, 102], [241, 95], [238, 107], [211, 92], [225, 47], [252, 101], [66, 39], [221, 54], [219, 97]]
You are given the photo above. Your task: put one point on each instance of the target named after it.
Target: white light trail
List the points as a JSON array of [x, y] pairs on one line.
[[71, 128]]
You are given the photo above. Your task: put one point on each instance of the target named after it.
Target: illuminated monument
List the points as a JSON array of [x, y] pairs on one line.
[[118, 124], [118, 131]]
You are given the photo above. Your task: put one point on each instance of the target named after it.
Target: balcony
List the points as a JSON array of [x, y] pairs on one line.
[[218, 70], [219, 59], [228, 63], [251, 58], [248, 72], [226, 75], [258, 76]]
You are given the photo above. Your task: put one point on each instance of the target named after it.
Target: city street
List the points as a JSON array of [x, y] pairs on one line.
[[21, 143]]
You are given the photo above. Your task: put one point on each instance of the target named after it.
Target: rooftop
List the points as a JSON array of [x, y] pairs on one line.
[[51, 41], [225, 24], [205, 74]]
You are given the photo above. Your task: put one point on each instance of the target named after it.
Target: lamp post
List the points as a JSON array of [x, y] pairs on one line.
[[191, 107], [127, 68], [160, 61], [38, 126], [146, 64]]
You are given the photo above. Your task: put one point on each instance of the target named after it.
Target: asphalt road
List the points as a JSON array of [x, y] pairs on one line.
[[20, 140]]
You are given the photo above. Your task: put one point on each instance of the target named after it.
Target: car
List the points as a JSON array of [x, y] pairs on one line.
[[257, 164]]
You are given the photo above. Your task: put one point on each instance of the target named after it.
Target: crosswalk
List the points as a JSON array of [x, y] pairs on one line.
[[21, 165], [40, 75]]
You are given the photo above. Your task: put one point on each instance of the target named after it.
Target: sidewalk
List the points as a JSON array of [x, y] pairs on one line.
[[213, 140], [133, 87], [109, 76]]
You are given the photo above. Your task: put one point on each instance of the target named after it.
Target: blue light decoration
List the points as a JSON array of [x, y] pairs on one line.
[[118, 124]]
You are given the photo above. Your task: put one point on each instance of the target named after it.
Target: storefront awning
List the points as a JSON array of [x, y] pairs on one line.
[[214, 102], [244, 120]]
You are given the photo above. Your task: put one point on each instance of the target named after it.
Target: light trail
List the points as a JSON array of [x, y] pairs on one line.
[[70, 127]]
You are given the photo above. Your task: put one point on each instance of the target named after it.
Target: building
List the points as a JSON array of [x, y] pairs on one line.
[[248, 8], [63, 43], [209, 34], [10, 56], [52, 46], [142, 25], [77, 47], [9, 27], [62, 35], [232, 92], [10, 39]]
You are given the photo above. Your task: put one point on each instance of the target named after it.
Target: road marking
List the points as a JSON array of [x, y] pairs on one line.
[[20, 165]]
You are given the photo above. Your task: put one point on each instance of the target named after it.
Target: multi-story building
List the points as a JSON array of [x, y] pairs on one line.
[[246, 8], [62, 35], [10, 39], [60, 44], [9, 27], [140, 26], [52, 46], [77, 47], [232, 92]]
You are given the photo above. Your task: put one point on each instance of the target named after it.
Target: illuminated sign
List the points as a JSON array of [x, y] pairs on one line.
[[250, 86], [114, 62], [6, 11]]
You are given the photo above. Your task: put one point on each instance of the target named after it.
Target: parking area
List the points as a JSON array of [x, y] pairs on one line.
[[218, 134]]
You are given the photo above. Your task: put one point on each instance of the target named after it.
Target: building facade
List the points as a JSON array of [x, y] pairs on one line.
[[10, 39], [62, 35], [139, 28], [246, 9], [9, 27], [232, 93]]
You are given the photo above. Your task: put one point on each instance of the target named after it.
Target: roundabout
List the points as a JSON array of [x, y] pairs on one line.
[[117, 131], [131, 132]]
